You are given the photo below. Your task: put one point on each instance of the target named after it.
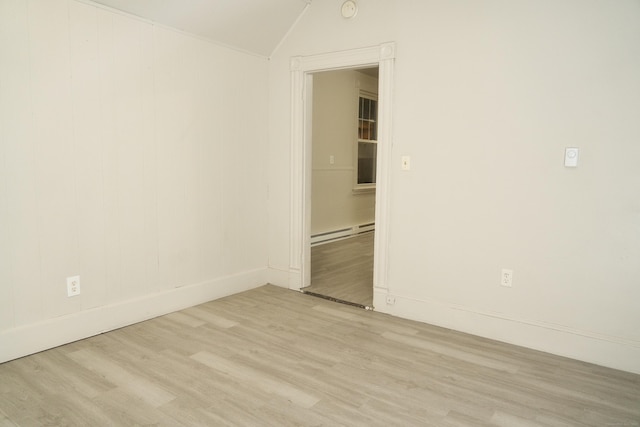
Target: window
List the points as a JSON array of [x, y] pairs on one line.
[[367, 141]]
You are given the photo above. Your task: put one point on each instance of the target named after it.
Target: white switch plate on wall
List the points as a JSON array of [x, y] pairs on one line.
[[406, 163], [571, 157]]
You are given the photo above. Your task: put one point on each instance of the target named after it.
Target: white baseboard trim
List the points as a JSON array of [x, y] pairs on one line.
[[600, 349], [279, 277], [29, 339]]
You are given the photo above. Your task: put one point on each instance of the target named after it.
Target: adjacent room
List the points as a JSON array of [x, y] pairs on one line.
[[172, 171], [343, 184]]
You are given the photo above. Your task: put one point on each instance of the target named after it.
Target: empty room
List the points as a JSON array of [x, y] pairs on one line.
[[189, 190]]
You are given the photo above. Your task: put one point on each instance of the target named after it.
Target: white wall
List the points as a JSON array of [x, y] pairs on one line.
[[487, 96], [335, 111], [130, 155]]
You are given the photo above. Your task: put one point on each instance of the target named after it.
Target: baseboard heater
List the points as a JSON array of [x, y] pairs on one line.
[[343, 233]]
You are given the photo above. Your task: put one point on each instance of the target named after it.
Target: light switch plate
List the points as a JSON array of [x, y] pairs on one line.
[[571, 157], [406, 163]]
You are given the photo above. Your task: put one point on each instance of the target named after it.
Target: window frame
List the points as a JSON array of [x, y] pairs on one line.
[[365, 187]]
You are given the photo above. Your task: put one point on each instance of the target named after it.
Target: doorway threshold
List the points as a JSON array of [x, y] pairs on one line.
[[338, 300]]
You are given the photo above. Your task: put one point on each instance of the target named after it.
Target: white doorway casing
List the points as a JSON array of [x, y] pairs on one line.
[[302, 69]]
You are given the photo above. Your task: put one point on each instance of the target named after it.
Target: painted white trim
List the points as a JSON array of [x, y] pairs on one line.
[[296, 167], [307, 171], [592, 347], [383, 180], [302, 68], [330, 169], [278, 277], [29, 339]]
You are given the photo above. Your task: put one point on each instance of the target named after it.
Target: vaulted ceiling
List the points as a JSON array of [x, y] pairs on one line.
[[255, 26]]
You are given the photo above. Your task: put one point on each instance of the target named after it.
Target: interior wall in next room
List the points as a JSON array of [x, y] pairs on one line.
[[335, 205]]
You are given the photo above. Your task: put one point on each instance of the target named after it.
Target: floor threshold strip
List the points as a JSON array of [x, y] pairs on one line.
[[338, 300]]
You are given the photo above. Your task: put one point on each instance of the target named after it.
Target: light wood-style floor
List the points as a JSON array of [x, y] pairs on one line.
[[276, 357], [344, 269]]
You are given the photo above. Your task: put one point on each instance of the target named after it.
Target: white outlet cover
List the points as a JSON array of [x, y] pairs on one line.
[[73, 286], [506, 278]]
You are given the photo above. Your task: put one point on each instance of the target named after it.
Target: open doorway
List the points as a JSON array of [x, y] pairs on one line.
[[343, 184], [302, 70]]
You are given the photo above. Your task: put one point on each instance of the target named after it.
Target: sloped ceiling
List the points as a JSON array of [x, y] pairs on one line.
[[255, 26]]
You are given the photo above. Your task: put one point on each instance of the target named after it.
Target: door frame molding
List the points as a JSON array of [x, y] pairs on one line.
[[302, 69]]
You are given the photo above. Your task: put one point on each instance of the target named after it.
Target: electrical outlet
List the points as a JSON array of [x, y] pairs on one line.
[[73, 286], [507, 278], [391, 300]]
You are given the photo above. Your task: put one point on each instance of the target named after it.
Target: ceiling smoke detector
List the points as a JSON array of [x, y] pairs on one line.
[[349, 9]]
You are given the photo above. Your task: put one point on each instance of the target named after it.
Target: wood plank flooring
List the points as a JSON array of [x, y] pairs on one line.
[[344, 269], [276, 357]]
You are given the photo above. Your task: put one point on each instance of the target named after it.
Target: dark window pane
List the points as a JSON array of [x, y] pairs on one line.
[[367, 153]]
